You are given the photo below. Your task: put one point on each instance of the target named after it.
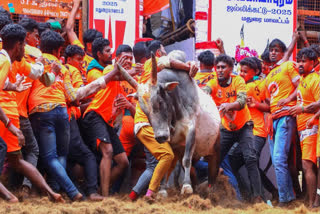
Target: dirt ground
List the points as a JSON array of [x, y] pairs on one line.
[[220, 200]]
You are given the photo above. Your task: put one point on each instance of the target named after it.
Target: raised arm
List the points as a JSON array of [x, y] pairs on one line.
[[72, 36]]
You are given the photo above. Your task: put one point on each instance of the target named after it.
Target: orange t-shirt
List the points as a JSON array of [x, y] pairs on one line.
[[94, 74], [103, 100], [30, 54], [279, 85], [76, 80], [8, 99], [55, 93], [308, 92], [140, 116], [4, 70], [256, 115], [202, 78], [233, 120]]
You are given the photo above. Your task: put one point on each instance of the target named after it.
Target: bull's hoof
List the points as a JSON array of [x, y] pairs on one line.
[[186, 189], [163, 193]]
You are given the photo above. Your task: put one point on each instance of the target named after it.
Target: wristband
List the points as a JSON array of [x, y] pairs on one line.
[[8, 123], [305, 42], [318, 191], [302, 109]]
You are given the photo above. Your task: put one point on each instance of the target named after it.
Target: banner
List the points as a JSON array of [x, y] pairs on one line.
[[48, 8], [261, 20], [118, 20]]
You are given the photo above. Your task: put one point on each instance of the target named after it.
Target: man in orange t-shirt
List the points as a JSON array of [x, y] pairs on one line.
[[230, 94], [99, 120], [13, 37], [49, 117], [207, 71], [79, 153], [88, 37], [250, 72], [101, 52], [281, 84], [308, 93]]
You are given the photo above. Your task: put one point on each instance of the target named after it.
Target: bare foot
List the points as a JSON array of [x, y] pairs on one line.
[[78, 197], [95, 197], [57, 198], [24, 193], [13, 199]]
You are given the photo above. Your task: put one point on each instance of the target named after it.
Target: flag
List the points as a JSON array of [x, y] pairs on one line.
[[154, 6]]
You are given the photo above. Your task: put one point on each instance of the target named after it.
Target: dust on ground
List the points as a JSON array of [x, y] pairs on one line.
[[220, 199]]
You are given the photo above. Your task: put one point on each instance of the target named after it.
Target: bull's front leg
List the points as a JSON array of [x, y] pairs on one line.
[[187, 158]]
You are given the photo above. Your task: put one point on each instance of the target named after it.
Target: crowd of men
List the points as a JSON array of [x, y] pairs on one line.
[[62, 107]]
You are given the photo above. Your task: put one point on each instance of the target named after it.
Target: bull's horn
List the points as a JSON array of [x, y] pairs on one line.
[[127, 77], [154, 70]]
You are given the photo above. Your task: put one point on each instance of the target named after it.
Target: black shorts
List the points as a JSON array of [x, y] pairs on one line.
[[94, 128]]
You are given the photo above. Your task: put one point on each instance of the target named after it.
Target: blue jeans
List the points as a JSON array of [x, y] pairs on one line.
[[3, 152], [52, 130], [145, 177], [283, 130]]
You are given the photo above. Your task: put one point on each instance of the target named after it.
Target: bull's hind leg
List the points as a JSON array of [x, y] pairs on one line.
[[186, 161], [214, 163]]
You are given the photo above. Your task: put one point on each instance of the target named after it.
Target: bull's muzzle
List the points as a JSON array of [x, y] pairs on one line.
[[162, 139]]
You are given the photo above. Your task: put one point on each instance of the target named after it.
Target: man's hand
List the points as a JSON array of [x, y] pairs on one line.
[[311, 122], [193, 69], [119, 103], [55, 68], [283, 102], [21, 85], [40, 59], [295, 110], [313, 107], [251, 102], [224, 108], [220, 45], [18, 133], [138, 69], [122, 61]]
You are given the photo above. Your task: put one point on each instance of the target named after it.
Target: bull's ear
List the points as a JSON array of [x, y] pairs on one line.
[[169, 86], [134, 95]]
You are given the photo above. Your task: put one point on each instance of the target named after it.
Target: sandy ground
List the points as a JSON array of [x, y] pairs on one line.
[[220, 200]]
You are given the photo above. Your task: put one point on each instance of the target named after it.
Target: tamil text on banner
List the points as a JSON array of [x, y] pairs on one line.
[[117, 20], [261, 20], [48, 8]]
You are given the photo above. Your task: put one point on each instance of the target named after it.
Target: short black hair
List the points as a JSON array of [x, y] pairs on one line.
[[123, 48], [50, 41], [72, 50], [43, 26], [316, 49], [5, 12], [308, 53], [153, 46], [4, 20], [265, 56], [11, 34], [140, 51], [206, 58], [259, 64], [251, 63], [278, 42], [90, 35], [224, 58], [98, 45], [28, 24]]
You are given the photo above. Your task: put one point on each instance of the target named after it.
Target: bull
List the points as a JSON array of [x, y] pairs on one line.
[[182, 114]]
